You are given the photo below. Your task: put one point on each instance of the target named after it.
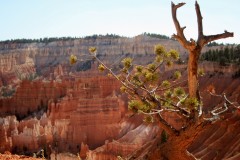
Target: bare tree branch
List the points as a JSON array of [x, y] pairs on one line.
[[180, 35], [199, 20], [210, 38], [203, 40], [229, 102], [153, 111], [220, 110], [200, 106]]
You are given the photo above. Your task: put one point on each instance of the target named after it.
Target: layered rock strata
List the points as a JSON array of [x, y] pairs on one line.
[[90, 113], [221, 141], [31, 96]]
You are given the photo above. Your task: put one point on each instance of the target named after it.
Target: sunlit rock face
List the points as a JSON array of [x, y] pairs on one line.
[[89, 113], [30, 97], [128, 144], [221, 141], [92, 112], [14, 68], [16, 58], [26, 136], [25, 60], [19, 61]]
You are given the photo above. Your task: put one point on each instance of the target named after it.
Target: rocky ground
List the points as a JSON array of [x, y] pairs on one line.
[[9, 156]]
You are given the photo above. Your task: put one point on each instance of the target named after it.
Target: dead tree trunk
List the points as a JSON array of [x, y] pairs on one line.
[[194, 47], [193, 72], [177, 145]]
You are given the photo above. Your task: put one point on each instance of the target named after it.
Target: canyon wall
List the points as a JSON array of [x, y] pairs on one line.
[[220, 141], [45, 56], [31, 96], [61, 110], [20, 61], [90, 112]]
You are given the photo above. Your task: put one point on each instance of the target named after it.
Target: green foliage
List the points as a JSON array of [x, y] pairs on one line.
[[223, 61], [191, 103], [165, 84], [159, 50], [156, 35], [41, 40], [101, 68], [177, 74], [92, 49], [138, 106], [127, 62], [168, 94], [201, 72], [174, 54], [55, 39], [214, 44], [95, 36], [149, 76], [151, 67], [166, 104], [164, 136], [139, 69], [224, 55], [169, 63], [148, 119], [159, 59], [123, 89], [179, 92], [73, 59]]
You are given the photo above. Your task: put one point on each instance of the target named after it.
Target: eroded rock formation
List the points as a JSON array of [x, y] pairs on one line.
[[221, 141], [31, 96], [46, 56], [90, 113], [127, 145], [85, 113], [93, 109]]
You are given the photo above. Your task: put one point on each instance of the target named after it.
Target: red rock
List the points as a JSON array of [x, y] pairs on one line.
[[73, 120], [221, 141], [83, 151], [31, 96]]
